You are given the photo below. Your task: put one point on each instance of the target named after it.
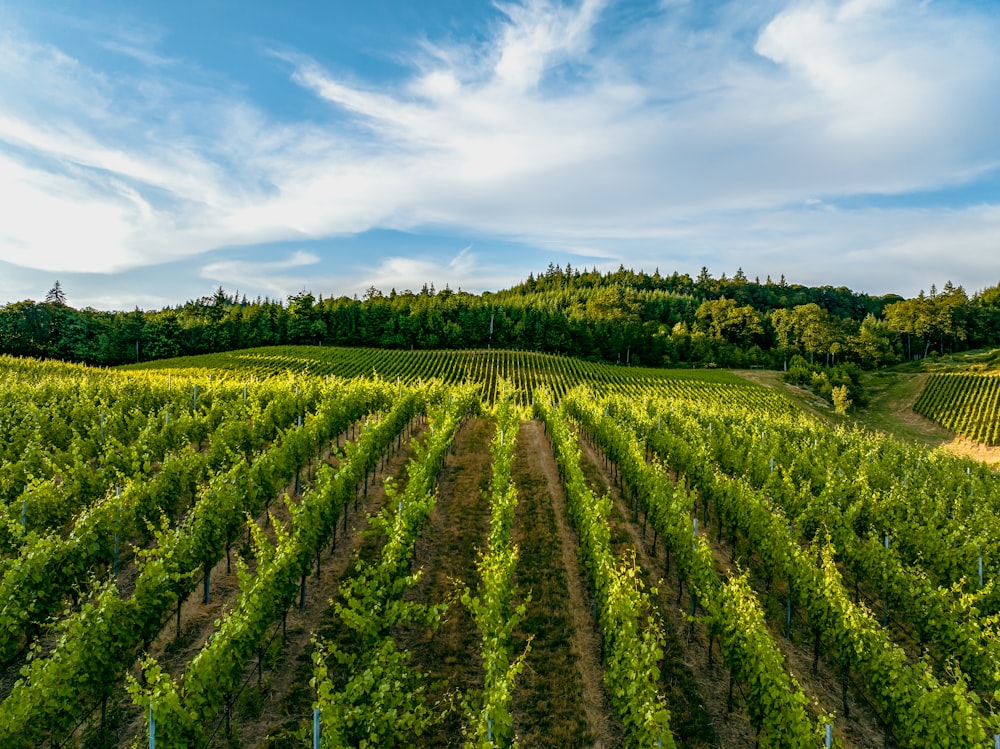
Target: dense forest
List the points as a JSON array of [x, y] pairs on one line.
[[622, 316]]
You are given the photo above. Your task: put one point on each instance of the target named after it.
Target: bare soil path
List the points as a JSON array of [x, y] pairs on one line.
[[447, 552], [560, 699]]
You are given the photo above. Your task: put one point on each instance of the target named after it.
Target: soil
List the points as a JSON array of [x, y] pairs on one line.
[[559, 699], [446, 552]]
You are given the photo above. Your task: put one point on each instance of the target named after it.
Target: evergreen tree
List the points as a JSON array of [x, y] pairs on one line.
[[56, 295]]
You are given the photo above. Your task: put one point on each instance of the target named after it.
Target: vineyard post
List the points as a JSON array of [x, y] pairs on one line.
[[996, 741], [489, 730], [980, 566], [244, 393], [316, 728], [829, 736], [152, 727]]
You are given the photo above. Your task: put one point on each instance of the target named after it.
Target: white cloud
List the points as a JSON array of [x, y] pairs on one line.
[[272, 277], [466, 270], [551, 133]]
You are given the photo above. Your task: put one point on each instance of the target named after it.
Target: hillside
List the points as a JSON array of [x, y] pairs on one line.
[[893, 403], [522, 370], [240, 554]]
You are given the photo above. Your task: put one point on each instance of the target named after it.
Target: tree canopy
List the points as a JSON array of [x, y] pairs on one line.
[[623, 315]]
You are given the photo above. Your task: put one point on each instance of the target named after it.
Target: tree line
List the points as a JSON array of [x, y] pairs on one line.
[[621, 316]]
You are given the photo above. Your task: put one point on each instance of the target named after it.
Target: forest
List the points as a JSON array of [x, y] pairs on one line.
[[623, 317]]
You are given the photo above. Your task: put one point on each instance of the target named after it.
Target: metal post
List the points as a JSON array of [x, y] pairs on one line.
[[152, 727], [316, 728]]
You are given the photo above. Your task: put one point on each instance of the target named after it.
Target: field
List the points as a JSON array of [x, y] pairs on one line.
[[967, 404], [524, 371], [476, 549]]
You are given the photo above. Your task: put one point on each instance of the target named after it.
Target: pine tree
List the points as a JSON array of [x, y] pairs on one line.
[[56, 295]]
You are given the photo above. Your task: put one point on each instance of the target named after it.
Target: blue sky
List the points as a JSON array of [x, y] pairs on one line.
[[151, 152]]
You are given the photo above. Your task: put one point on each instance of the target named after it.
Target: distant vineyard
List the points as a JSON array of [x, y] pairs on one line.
[[967, 404], [522, 370]]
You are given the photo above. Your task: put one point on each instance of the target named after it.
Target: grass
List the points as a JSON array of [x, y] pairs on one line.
[[976, 360], [891, 394]]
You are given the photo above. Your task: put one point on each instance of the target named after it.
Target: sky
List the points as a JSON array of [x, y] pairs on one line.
[[153, 152]]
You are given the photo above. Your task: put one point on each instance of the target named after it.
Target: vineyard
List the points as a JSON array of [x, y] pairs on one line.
[[523, 371], [967, 404], [354, 548]]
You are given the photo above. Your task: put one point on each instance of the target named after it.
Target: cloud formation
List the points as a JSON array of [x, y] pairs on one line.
[[724, 142]]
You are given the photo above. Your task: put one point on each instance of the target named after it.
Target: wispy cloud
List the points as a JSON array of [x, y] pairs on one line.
[[669, 139], [466, 270], [273, 276]]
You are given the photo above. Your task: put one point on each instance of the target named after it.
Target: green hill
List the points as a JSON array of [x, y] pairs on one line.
[[523, 370]]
